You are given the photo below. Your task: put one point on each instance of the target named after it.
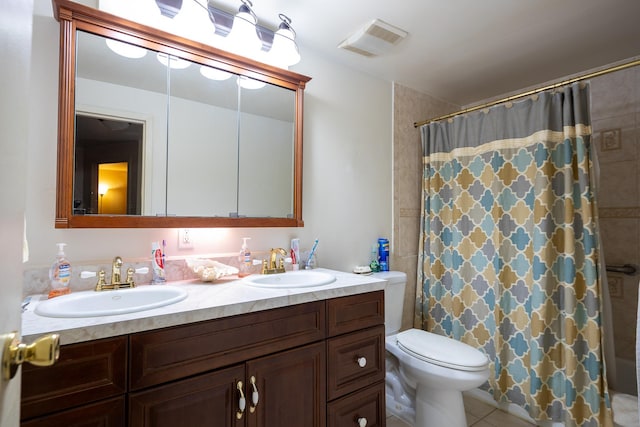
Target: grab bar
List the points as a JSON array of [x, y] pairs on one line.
[[624, 269]]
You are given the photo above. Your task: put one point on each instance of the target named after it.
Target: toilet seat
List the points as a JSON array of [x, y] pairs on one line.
[[441, 351]]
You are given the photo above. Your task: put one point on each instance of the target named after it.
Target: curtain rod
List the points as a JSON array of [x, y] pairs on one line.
[[531, 92]]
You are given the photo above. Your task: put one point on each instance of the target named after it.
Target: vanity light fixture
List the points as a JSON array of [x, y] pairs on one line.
[[241, 33], [169, 8]]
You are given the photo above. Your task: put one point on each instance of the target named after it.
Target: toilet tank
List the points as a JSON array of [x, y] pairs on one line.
[[393, 299]]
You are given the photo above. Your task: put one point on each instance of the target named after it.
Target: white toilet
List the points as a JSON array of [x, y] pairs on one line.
[[426, 373]]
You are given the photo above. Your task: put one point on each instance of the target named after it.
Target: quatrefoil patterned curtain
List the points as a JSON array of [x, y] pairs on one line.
[[508, 252]]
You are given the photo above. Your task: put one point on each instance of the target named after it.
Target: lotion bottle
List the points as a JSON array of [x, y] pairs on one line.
[[60, 274], [245, 259]]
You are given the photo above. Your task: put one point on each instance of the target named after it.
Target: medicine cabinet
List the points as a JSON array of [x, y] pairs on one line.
[[181, 135]]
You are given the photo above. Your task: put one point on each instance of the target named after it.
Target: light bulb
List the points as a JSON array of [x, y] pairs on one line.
[[249, 83], [102, 189], [243, 38], [125, 49], [284, 51], [214, 73]]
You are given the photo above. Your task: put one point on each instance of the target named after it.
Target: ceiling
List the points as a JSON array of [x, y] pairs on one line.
[[464, 51]]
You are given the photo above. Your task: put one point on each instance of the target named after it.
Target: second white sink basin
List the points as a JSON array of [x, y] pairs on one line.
[[291, 279], [107, 303]]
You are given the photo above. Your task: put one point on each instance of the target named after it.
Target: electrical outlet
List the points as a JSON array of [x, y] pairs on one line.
[[185, 239]]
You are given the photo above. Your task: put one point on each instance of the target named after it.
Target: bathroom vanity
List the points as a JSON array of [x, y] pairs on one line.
[[314, 358]]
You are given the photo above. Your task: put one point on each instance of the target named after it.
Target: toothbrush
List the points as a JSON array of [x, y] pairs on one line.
[[164, 250], [313, 250]]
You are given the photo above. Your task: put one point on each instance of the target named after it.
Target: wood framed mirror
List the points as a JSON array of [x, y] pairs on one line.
[[214, 142]]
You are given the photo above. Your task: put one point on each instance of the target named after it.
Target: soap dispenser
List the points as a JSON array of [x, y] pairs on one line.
[[245, 259], [60, 274]]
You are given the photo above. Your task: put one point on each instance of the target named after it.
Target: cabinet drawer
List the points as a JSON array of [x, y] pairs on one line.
[[368, 403], [348, 314], [85, 372], [108, 413], [345, 373], [165, 355]]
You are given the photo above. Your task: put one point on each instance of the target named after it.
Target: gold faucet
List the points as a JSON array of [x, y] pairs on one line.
[[271, 266], [115, 270], [116, 277]]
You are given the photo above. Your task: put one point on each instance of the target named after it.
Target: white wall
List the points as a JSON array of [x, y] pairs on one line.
[[346, 182]]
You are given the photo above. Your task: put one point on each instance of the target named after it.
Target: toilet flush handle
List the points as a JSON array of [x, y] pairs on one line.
[[362, 362], [362, 422]]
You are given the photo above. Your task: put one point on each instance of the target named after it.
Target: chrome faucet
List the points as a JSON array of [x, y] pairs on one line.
[[272, 266]]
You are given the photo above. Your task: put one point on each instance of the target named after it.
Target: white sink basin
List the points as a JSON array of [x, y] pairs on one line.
[[107, 303], [292, 279]]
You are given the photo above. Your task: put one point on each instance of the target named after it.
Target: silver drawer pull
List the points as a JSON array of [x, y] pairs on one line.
[[362, 422], [362, 362]]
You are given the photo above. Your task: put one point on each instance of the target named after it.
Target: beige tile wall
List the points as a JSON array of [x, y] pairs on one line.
[[615, 115], [409, 107]]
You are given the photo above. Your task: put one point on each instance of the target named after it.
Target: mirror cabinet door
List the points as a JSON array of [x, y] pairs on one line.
[[120, 130], [203, 142], [267, 128]]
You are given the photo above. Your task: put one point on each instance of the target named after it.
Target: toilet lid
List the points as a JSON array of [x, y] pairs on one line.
[[441, 351]]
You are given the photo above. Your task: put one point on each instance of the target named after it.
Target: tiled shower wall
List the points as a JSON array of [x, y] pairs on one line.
[[409, 106], [615, 117], [615, 113]]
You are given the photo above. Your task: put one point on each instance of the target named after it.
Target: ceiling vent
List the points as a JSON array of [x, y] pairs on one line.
[[375, 38]]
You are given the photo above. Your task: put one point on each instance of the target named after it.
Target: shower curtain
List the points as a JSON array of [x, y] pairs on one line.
[[508, 252]]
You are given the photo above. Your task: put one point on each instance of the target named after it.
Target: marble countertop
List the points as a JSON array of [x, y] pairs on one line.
[[205, 301]]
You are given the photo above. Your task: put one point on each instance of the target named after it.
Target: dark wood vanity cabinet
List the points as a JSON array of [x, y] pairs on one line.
[[280, 355], [304, 364]]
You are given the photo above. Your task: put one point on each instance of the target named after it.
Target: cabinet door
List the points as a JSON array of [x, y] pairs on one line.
[[205, 400], [291, 388]]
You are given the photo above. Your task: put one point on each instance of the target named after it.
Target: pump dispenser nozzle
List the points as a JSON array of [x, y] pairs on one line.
[[61, 248]]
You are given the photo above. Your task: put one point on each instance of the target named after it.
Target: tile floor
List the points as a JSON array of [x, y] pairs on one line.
[[479, 414]]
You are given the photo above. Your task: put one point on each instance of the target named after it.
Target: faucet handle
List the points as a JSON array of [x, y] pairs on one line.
[[87, 274], [102, 283], [130, 272]]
